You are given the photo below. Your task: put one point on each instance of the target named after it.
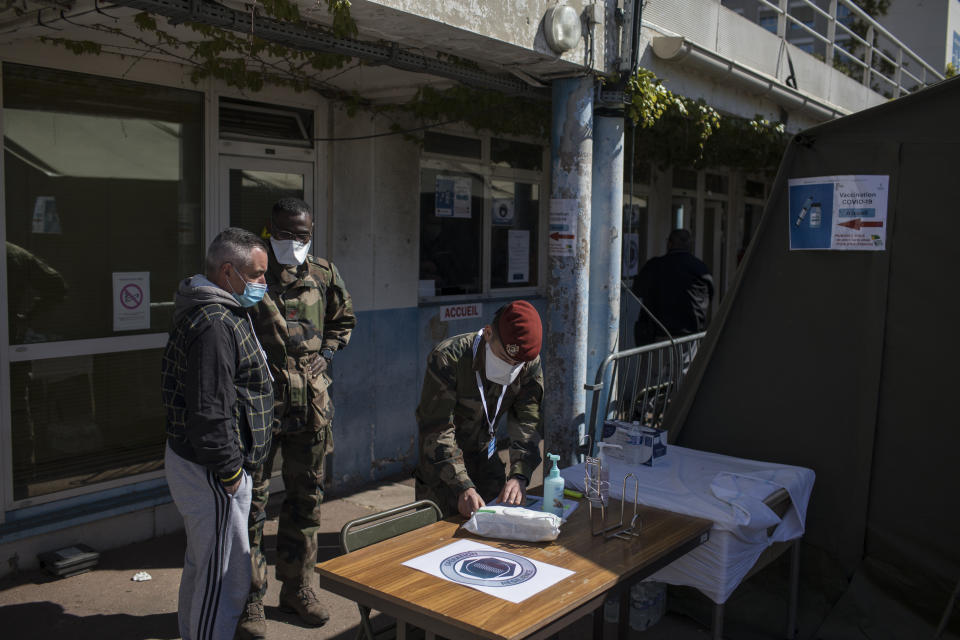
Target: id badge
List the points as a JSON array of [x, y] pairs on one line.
[[491, 448]]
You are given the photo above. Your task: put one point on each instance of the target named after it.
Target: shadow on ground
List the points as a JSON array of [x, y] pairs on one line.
[[49, 620]]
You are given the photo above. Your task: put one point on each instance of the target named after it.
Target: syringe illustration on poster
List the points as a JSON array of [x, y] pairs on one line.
[[842, 213]]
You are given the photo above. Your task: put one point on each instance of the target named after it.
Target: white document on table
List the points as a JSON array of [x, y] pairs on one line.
[[498, 573]]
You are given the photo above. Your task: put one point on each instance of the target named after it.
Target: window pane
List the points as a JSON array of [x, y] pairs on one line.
[[515, 216], [753, 189], [751, 217], [244, 120], [717, 184], [516, 155], [683, 212], [451, 145], [102, 176], [634, 250], [85, 419], [451, 224], [641, 172], [684, 178], [253, 194]]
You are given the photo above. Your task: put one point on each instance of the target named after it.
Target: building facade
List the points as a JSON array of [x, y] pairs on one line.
[[122, 161]]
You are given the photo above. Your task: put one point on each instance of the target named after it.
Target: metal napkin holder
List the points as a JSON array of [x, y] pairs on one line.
[[592, 483]]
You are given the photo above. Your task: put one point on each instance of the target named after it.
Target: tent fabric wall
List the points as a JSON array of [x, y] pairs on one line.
[[841, 361]]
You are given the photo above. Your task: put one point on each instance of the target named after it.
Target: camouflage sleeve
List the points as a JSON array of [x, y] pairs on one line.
[[340, 319], [438, 443], [524, 424]]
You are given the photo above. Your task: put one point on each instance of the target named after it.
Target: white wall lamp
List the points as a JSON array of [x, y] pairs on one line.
[[562, 28]]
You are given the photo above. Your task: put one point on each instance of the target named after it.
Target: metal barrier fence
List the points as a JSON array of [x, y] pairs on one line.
[[638, 384], [876, 58]]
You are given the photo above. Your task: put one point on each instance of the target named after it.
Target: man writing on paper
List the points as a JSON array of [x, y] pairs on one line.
[[472, 379]]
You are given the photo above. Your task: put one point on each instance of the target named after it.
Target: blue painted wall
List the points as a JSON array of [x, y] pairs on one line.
[[376, 389]]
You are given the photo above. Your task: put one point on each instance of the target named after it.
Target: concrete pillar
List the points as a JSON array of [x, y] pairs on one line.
[[565, 344], [606, 236]]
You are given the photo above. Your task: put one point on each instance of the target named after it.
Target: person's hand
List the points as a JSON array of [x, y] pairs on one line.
[[232, 489], [317, 365], [514, 491], [468, 502]]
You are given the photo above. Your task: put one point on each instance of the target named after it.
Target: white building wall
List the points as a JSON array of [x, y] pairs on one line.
[[374, 241]]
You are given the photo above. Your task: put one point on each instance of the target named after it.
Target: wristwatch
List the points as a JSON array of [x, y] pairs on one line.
[[327, 354]]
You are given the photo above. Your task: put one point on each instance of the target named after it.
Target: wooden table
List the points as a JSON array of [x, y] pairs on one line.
[[375, 577]]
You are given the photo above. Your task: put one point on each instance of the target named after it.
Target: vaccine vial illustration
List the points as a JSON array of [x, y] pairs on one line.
[[815, 215]]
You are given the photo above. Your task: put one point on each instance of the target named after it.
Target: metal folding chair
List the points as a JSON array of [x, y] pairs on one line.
[[378, 527]]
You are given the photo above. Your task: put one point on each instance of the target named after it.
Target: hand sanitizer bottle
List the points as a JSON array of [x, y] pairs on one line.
[[553, 489]]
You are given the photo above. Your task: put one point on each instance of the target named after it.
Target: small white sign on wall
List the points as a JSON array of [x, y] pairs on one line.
[[131, 300], [562, 237]]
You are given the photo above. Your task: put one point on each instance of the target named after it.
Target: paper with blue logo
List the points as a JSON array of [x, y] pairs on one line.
[[452, 197], [838, 213], [499, 573]]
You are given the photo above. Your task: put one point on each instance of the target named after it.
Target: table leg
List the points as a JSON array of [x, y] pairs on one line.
[[598, 623], [401, 629], [623, 623], [717, 622], [794, 589]]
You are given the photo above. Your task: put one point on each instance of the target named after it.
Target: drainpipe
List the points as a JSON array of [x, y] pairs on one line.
[[568, 266], [606, 233]]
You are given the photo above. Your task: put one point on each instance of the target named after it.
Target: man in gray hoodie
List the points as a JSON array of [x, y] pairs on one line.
[[219, 401]]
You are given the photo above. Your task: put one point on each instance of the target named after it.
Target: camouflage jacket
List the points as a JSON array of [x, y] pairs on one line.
[[452, 422], [305, 309]]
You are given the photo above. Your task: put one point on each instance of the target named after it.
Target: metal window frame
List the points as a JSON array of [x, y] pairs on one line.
[[484, 168], [91, 346]]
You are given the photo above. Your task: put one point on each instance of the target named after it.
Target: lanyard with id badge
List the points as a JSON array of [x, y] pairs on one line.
[[492, 446]]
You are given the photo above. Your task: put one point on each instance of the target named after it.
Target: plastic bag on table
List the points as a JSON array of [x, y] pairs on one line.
[[513, 523]]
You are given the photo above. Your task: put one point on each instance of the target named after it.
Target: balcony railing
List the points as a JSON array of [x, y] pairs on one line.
[[826, 29]]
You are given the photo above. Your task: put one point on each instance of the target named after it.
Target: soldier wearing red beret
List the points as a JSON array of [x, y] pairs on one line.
[[472, 379]]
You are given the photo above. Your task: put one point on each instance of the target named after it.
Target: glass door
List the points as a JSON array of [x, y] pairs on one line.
[[248, 189], [250, 186], [714, 246]]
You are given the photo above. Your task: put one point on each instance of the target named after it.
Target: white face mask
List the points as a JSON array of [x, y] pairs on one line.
[[290, 251], [499, 371]]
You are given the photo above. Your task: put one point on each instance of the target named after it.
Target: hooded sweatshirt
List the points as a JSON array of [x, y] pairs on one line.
[[215, 383]]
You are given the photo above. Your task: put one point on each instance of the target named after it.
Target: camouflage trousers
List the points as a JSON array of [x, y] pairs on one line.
[[487, 474], [303, 453]]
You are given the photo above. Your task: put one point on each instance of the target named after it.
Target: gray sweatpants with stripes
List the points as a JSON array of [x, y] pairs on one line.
[[216, 566]]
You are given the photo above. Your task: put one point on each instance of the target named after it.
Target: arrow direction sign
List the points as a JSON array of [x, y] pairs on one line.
[[857, 224]]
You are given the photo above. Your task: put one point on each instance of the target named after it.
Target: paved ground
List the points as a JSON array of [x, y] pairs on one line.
[[106, 603]]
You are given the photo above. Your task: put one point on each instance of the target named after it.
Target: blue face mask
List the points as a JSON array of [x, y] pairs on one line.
[[252, 293]]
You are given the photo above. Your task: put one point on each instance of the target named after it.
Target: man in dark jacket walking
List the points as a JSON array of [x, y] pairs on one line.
[[677, 288], [219, 401]]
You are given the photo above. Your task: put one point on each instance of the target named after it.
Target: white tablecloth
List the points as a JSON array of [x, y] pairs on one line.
[[730, 492]]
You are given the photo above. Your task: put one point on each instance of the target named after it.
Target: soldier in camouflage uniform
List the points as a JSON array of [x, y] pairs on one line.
[[459, 468], [303, 320]]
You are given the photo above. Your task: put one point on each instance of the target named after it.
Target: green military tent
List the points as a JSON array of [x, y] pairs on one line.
[[841, 360]]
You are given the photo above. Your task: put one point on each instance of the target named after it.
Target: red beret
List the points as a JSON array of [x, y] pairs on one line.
[[520, 330]]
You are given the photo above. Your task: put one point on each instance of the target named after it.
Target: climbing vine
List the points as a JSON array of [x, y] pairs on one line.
[[241, 60], [481, 109], [671, 129]]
